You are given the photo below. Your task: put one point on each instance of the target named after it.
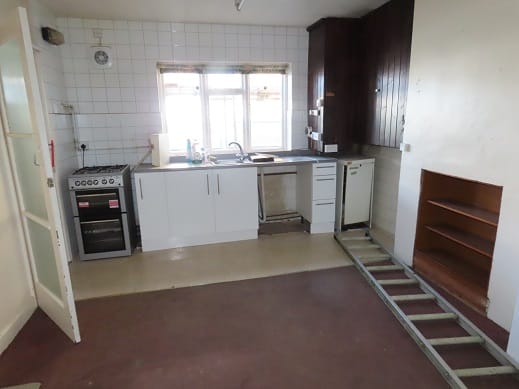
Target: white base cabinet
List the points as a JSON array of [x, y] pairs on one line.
[[316, 191], [197, 207]]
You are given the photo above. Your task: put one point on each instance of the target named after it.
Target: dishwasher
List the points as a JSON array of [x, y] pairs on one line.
[[355, 178]]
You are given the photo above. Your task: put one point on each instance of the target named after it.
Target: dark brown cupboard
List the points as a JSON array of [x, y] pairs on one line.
[[358, 78]]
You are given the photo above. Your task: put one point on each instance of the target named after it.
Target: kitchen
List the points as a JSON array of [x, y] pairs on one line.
[[114, 111]]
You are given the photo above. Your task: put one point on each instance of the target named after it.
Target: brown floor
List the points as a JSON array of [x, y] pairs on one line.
[[321, 329]]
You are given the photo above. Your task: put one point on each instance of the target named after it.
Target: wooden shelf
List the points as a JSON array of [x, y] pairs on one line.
[[470, 241], [454, 275], [474, 213]]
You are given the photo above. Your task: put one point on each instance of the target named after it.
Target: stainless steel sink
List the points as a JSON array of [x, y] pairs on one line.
[[231, 162]]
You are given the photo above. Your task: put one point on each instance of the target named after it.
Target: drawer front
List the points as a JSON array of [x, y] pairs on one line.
[[324, 169], [323, 211], [324, 187]]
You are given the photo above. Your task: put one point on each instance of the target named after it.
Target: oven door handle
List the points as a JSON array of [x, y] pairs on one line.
[[96, 194], [100, 221]]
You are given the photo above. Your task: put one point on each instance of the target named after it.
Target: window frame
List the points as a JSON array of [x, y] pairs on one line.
[[245, 92]]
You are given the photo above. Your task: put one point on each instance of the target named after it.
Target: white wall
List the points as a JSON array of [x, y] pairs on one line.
[[462, 120], [385, 193], [119, 107]]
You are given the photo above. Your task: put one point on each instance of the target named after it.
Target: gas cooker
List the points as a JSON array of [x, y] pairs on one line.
[[92, 177]]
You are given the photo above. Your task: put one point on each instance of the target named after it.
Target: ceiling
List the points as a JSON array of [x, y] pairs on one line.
[[266, 12]]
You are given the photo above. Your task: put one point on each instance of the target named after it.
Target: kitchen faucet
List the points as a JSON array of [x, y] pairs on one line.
[[242, 156]]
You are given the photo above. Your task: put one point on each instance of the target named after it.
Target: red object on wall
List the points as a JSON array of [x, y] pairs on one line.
[[52, 159]]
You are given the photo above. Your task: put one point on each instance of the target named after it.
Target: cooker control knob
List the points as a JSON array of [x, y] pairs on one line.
[[96, 182], [111, 181], [89, 182], [104, 181], [83, 182], [77, 183]]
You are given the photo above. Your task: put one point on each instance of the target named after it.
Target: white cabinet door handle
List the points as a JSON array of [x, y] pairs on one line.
[[326, 179], [218, 182], [324, 203], [207, 181], [140, 186]]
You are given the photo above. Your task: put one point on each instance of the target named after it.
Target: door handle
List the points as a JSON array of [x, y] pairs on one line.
[[218, 182], [207, 182], [140, 186]]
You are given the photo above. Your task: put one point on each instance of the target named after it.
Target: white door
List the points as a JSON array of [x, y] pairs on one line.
[[357, 196], [24, 132], [190, 203], [152, 199], [236, 199]]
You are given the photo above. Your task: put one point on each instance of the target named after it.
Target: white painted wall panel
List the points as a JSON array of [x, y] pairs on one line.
[[461, 120]]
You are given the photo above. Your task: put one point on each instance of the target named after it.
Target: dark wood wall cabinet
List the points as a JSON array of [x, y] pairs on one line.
[[358, 78], [455, 235]]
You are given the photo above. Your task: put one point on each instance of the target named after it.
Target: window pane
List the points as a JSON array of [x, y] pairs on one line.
[[224, 81], [183, 108], [266, 110], [226, 120]]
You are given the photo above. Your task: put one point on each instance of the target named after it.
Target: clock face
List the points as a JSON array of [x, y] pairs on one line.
[[101, 57]]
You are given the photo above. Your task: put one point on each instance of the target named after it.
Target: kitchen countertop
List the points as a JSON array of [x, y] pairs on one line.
[[278, 161]]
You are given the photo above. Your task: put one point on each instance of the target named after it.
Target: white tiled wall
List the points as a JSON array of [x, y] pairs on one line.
[[119, 107]]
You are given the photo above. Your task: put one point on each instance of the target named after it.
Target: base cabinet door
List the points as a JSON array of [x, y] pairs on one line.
[[236, 199], [190, 203], [153, 212]]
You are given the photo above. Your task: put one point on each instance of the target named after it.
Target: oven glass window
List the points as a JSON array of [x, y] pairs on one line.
[[102, 235]]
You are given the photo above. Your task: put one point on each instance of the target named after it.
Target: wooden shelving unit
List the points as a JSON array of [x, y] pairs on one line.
[[455, 235], [481, 215]]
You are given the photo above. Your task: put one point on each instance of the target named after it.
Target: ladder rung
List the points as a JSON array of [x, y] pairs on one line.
[[363, 247], [433, 316], [350, 238], [413, 297], [403, 281], [456, 340], [370, 261], [374, 256], [383, 268], [485, 371]]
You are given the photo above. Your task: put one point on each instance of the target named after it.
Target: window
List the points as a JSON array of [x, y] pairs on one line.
[[219, 105]]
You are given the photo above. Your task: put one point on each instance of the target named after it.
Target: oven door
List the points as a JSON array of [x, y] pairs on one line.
[[105, 235], [97, 203]]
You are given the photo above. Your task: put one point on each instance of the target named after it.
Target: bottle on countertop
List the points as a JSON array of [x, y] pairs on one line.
[[197, 154], [189, 151]]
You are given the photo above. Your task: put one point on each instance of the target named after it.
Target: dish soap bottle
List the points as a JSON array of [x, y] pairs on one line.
[[189, 151]]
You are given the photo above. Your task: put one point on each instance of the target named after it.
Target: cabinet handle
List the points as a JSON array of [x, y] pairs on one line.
[[377, 90], [324, 203], [326, 179], [218, 182], [324, 167], [140, 186], [207, 182]]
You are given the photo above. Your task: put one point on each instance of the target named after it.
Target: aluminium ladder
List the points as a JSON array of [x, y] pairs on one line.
[[371, 258]]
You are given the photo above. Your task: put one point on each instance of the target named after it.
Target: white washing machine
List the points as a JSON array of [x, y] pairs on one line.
[[355, 177]]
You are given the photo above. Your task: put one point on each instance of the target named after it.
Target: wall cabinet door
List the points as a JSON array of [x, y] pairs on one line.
[[190, 203], [236, 199], [153, 213]]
